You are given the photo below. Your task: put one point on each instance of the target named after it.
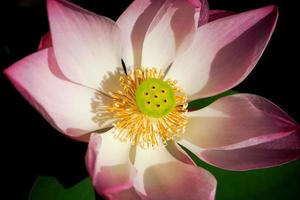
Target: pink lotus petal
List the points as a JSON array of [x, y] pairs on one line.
[[196, 3], [108, 163], [134, 23], [161, 176], [65, 105], [269, 154], [224, 52], [129, 194], [218, 14], [175, 180], [45, 42], [146, 24], [174, 22], [236, 121], [87, 46]]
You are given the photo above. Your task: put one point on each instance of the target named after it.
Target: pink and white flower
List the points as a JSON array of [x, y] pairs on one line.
[[76, 81]]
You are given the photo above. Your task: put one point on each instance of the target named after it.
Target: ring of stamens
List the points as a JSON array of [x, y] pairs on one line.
[[149, 110]]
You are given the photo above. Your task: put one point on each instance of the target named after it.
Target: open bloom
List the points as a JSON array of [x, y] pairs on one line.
[[135, 115]]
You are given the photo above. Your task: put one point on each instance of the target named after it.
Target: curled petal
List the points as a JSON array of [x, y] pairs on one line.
[[242, 132], [65, 105], [224, 52], [268, 154], [108, 163], [237, 121], [161, 176], [87, 46]]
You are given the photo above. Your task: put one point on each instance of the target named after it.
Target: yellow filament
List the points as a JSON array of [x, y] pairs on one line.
[[136, 127]]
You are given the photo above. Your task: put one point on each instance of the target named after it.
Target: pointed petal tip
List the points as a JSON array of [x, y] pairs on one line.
[[9, 71], [6, 71], [266, 9], [271, 9], [245, 34], [37, 82], [86, 45]]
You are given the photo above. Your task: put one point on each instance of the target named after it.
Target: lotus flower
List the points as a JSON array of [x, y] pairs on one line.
[[135, 114]]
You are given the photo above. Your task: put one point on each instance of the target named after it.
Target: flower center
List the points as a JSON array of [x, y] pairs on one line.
[[148, 110], [155, 98]]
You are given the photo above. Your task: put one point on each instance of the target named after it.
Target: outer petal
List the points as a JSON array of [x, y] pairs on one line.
[[129, 194], [108, 163], [263, 155], [45, 42], [65, 105], [161, 176], [146, 24], [218, 14], [87, 46], [236, 121], [224, 52]]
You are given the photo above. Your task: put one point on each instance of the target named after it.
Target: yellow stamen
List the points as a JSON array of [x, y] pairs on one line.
[[136, 126]]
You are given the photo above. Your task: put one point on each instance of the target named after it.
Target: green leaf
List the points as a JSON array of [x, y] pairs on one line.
[[201, 103], [48, 188], [275, 183]]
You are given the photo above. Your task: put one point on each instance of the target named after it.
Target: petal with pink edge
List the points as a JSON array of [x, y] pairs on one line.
[[161, 176], [269, 154], [224, 52], [146, 24], [108, 163], [45, 42], [130, 194], [65, 105], [236, 121], [87, 46]]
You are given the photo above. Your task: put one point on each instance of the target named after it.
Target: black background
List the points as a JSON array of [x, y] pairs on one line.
[[31, 147]]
